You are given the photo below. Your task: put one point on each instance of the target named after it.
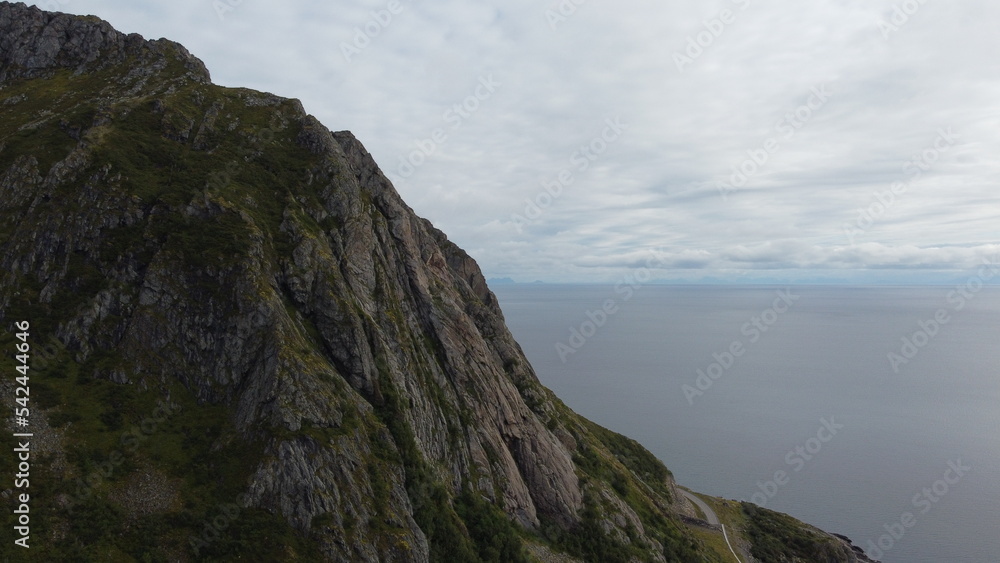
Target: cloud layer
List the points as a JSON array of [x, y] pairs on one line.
[[572, 140]]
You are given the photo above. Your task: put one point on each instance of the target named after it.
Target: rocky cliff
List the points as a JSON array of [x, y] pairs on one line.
[[245, 344]]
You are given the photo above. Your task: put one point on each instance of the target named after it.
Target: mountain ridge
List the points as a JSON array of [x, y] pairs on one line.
[[344, 375]]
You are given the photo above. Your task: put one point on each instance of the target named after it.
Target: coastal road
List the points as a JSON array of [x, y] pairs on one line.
[[711, 518], [710, 515]]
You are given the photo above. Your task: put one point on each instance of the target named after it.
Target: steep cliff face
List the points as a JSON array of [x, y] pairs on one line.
[[345, 383]]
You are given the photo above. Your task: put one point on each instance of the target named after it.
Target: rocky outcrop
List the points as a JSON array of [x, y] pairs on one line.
[[34, 43]]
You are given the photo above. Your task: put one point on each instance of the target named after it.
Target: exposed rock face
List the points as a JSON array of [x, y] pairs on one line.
[[36, 42], [187, 242]]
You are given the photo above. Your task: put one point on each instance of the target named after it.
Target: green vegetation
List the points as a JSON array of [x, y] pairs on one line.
[[712, 545], [496, 538], [462, 529], [588, 541], [145, 148], [780, 538], [636, 477], [38, 117], [117, 432], [630, 454]]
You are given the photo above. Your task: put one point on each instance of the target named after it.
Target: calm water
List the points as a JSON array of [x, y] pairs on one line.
[[814, 396]]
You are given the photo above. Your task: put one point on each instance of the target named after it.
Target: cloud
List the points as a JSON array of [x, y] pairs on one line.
[[655, 188]]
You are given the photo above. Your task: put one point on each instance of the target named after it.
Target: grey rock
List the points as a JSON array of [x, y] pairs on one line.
[[33, 43]]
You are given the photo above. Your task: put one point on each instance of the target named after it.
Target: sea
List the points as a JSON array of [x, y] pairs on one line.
[[872, 412]]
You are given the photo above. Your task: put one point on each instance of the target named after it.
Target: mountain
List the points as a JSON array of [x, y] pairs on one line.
[[233, 340]]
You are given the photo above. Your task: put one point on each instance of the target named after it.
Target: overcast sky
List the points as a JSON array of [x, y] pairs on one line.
[[583, 140]]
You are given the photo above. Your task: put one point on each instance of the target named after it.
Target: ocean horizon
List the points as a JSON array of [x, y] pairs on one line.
[[868, 411]]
